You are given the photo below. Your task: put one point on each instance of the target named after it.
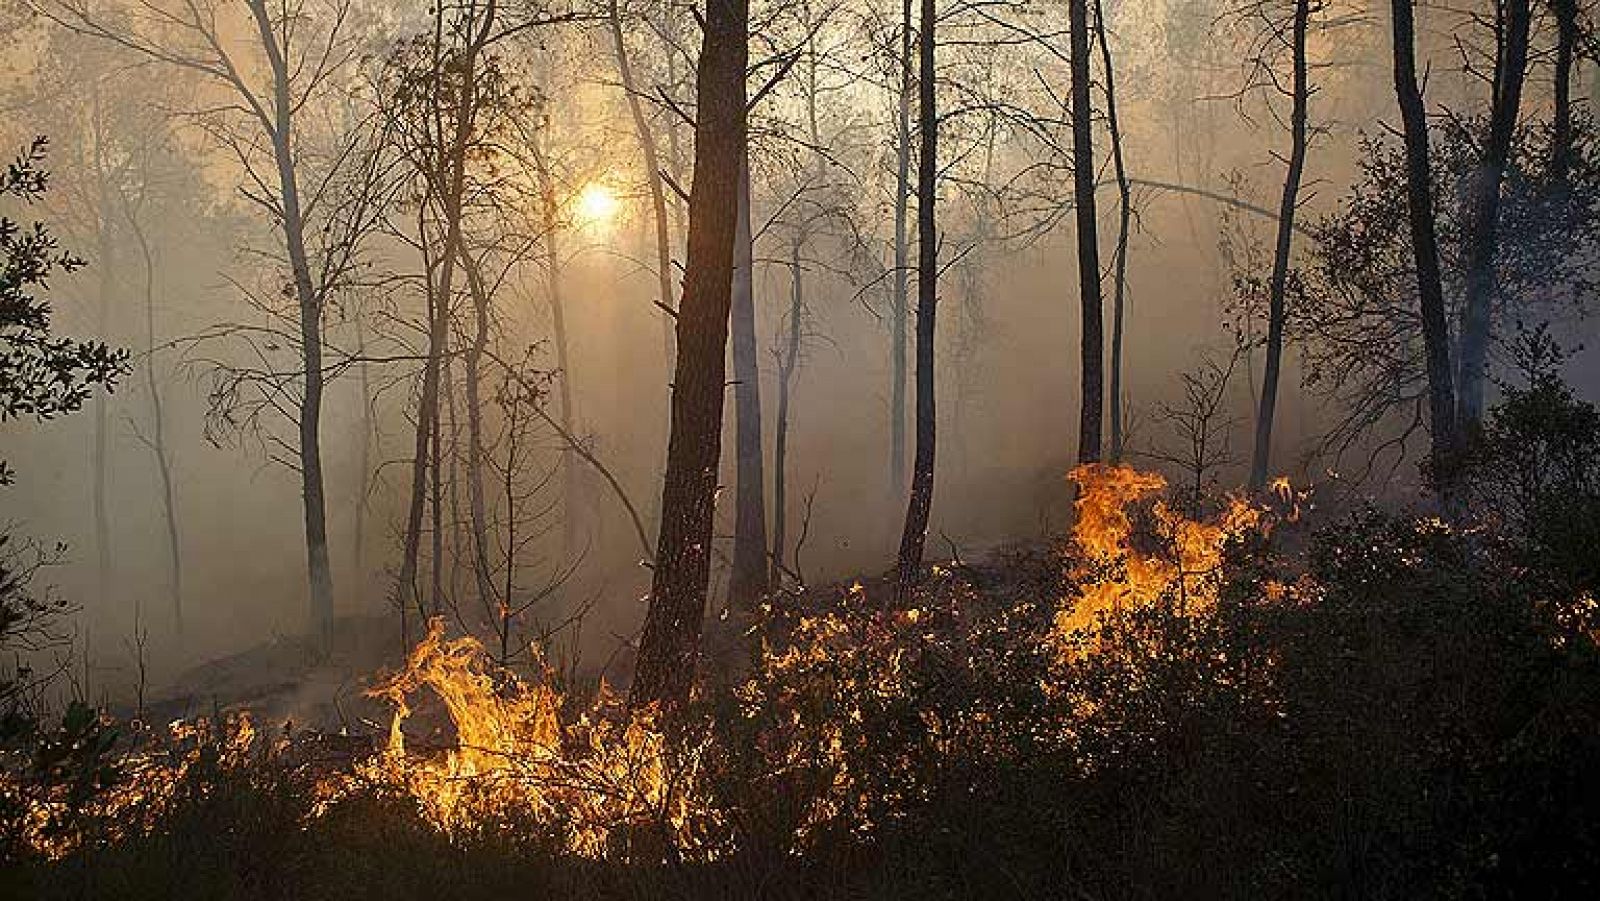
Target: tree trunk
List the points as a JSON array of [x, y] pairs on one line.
[[570, 501], [436, 590], [900, 300], [158, 433], [1124, 221], [319, 571], [476, 511], [652, 166], [1091, 411], [788, 362], [449, 187], [407, 596], [1561, 137], [749, 578], [1425, 246], [1483, 214], [1261, 459], [364, 472], [915, 534], [670, 643], [107, 270]]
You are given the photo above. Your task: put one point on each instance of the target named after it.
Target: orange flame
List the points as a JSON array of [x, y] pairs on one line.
[[1103, 533], [598, 776]]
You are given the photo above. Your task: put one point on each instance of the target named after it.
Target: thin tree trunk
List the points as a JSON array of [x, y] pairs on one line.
[[451, 426], [749, 578], [900, 300], [364, 474], [406, 594], [107, 269], [652, 165], [449, 187], [158, 433], [788, 362], [915, 534], [1425, 246], [1261, 459], [1124, 221], [319, 571], [670, 643], [570, 491], [1091, 411], [476, 508], [1483, 214]]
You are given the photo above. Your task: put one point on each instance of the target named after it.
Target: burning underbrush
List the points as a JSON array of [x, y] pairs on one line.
[[1165, 690], [594, 777]]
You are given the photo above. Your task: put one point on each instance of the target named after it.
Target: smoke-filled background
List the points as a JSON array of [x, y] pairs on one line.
[[157, 181]]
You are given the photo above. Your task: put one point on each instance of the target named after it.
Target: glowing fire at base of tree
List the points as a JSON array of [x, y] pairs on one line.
[[596, 778]]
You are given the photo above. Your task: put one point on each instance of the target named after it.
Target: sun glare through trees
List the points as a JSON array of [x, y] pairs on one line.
[[799, 449]]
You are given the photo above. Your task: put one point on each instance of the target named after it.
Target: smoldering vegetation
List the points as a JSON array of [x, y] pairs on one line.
[[1092, 449]]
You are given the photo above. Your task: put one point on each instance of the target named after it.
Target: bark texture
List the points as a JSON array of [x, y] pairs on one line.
[[1091, 409], [669, 645], [914, 536]]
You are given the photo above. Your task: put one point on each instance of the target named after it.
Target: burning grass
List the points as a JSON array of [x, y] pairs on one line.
[[1162, 693], [596, 777]]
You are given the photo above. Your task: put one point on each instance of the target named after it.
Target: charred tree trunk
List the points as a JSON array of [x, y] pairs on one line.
[[670, 643], [1425, 246], [1277, 314], [1124, 221], [407, 596], [900, 301], [319, 571], [749, 578], [1091, 410], [1483, 212], [915, 534]]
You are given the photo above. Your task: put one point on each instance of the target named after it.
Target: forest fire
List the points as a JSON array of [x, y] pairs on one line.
[[1116, 573], [619, 450], [523, 753]]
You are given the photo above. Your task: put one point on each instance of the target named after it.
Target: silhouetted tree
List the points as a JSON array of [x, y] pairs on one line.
[[915, 534], [1424, 243], [1299, 139], [1513, 22], [669, 645], [1091, 409]]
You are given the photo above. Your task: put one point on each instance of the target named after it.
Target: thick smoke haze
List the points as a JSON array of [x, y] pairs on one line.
[[138, 168]]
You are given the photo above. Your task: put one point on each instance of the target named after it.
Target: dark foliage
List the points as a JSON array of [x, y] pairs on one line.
[[41, 375], [1354, 308]]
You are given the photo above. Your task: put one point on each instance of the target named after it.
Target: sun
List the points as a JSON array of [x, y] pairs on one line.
[[596, 205]]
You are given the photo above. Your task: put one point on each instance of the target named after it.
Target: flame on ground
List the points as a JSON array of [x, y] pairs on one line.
[[1115, 574], [605, 782]]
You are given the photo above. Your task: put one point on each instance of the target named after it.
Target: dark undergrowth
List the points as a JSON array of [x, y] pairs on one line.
[[1381, 707]]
